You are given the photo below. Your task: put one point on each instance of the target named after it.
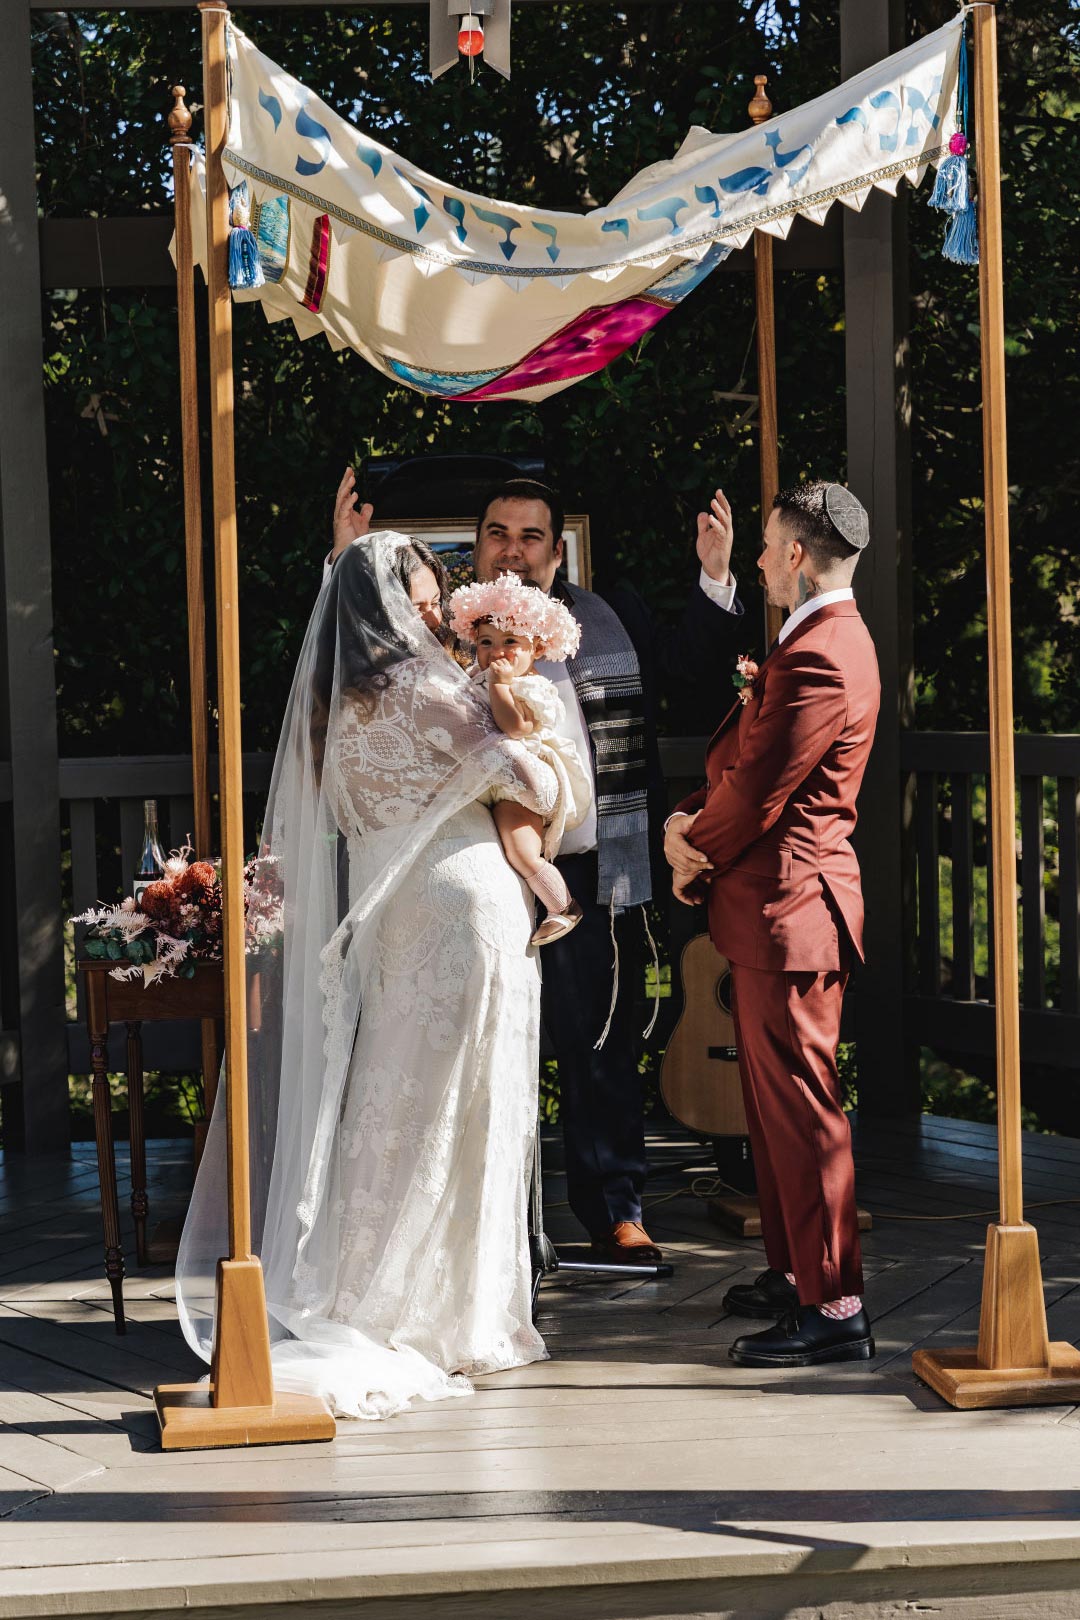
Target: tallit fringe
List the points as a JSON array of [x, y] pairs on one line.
[[606, 1031], [651, 1025]]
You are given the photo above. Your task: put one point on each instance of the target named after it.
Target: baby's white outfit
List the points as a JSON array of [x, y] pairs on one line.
[[545, 708]]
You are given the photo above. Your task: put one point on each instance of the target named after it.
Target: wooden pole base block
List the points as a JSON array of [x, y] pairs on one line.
[[190, 1422], [743, 1217], [1012, 1321], [959, 1378], [1015, 1364], [240, 1369]]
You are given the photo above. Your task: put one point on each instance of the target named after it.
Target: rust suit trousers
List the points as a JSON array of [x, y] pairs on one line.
[[787, 1026]]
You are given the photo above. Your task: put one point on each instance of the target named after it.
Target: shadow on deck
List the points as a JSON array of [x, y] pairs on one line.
[[637, 1473]]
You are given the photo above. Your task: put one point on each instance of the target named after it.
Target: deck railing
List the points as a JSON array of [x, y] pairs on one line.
[[949, 1001], [950, 998]]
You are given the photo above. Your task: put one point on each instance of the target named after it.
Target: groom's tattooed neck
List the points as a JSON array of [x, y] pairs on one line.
[[808, 588]]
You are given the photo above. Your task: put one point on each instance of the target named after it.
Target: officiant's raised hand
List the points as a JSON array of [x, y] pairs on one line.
[[715, 533], [349, 524]]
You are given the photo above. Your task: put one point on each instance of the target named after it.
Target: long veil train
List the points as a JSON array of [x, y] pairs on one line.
[[394, 1024]]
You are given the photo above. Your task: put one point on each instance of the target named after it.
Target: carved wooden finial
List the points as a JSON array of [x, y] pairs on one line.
[[179, 117], [761, 107]]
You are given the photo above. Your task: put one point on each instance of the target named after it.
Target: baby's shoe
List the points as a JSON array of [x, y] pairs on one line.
[[557, 924]]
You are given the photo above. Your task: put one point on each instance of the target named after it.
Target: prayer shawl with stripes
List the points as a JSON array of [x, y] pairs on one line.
[[607, 680]]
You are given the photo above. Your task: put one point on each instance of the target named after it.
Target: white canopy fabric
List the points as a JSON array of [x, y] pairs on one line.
[[464, 297]]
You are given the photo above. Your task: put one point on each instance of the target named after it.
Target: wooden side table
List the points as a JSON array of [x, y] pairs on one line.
[[110, 1001]]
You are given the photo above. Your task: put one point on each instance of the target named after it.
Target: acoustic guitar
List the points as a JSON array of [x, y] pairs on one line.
[[699, 1075]]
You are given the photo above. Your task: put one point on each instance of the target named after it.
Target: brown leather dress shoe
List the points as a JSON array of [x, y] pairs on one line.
[[629, 1244]]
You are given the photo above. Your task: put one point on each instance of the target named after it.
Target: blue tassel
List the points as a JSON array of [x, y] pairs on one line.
[[244, 267], [952, 187], [961, 244], [951, 192]]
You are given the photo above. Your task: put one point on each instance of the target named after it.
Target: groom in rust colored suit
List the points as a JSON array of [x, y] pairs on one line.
[[766, 842]]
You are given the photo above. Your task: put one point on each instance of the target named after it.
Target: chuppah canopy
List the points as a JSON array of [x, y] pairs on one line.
[[463, 297]]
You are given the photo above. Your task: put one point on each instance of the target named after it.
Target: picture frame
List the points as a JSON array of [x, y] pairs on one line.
[[452, 539]]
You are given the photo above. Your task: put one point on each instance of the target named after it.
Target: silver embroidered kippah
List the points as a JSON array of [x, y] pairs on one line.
[[848, 516]]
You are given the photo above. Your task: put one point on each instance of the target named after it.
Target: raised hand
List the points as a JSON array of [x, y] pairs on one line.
[[349, 524], [715, 533]]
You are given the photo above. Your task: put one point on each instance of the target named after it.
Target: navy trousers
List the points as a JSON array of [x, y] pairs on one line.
[[601, 1093]]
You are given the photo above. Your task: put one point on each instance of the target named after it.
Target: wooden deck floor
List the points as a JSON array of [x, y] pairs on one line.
[[637, 1473]]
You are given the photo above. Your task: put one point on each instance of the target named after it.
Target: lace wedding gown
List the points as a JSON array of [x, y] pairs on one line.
[[398, 1100]]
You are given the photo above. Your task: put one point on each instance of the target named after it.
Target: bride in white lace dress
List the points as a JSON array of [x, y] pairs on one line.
[[393, 1073]]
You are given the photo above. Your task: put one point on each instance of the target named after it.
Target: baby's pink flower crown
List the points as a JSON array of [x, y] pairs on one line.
[[509, 604]]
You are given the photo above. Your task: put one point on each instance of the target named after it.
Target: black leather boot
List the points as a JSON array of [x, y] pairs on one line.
[[768, 1296], [805, 1337]]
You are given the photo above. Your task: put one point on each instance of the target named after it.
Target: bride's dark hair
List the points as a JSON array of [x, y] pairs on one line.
[[359, 641], [418, 554]]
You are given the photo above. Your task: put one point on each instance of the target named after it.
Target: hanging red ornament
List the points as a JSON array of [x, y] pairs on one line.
[[470, 40]]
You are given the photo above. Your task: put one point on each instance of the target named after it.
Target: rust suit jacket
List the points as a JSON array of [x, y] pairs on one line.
[[783, 774]]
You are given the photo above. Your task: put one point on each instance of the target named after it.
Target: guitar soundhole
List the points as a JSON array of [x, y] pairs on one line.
[[723, 993]]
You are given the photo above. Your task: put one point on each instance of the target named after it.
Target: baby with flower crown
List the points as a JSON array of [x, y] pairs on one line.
[[510, 624]]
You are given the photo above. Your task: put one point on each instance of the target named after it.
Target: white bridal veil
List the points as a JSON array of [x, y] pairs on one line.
[[384, 739]]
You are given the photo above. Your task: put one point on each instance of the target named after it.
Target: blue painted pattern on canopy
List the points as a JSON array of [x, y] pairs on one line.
[[309, 130], [502, 222], [707, 194], [669, 209], [422, 210], [370, 155], [783, 160], [891, 103], [270, 104], [552, 231], [752, 179], [456, 209]]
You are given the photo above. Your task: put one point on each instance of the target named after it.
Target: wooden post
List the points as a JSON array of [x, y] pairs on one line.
[[878, 435], [240, 1407], [760, 109], [180, 138], [35, 1093], [1015, 1364]]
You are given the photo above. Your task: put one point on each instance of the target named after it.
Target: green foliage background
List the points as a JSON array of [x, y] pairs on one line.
[[597, 92]]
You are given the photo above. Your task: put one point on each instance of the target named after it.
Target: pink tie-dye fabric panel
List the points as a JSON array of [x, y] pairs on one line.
[[588, 344]]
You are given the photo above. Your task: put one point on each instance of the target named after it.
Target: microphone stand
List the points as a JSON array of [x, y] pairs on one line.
[[546, 1260]]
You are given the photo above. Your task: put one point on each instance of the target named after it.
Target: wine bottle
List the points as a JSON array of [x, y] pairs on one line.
[[151, 865]]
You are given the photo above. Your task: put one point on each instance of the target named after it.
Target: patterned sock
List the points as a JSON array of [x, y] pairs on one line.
[[838, 1309], [548, 886]]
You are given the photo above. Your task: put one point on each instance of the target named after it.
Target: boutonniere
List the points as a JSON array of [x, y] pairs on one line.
[[746, 672]]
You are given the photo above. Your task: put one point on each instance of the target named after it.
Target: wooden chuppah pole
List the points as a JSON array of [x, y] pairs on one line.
[[1015, 1364], [760, 109], [240, 1406], [180, 137]]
